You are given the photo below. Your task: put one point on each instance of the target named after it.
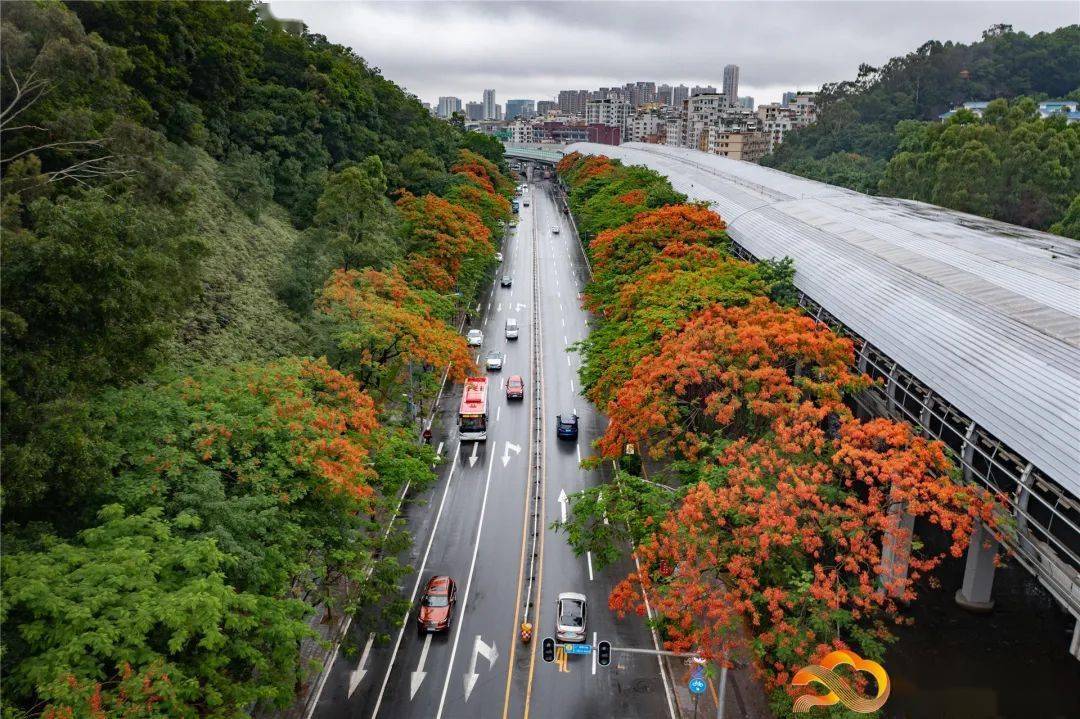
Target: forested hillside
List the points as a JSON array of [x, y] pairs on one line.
[[870, 129], [232, 258]]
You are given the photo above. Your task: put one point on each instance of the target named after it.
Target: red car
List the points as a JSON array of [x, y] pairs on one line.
[[515, 387], [437, 605]]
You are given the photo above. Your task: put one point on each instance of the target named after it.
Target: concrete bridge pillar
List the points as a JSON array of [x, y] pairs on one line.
[[974, 592], [896, 550]]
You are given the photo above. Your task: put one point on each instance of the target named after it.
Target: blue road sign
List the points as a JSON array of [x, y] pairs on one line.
[[578, 648], [697, 685]]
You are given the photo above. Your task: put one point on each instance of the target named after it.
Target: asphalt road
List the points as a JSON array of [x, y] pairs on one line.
[[476, 526]]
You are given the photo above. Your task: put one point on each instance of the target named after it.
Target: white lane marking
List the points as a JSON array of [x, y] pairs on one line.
[[489, 653], [501, 382], [563, 501], [468, 586], [564, 340], [416, 586], [593, 652], [417, 677], [498, 411], [571, 384], [558, 294], [567, 361], [489, 306], [510, 447], [578, 450], [563, 319], [499, 308], [357, 675], [656, 643], [477, 306]]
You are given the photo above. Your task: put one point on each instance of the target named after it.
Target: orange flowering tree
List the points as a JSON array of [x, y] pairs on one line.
[[605, 193], [448, 245], [781, 542], [231, 504], [380, 325], [772, 538], [731, 372]]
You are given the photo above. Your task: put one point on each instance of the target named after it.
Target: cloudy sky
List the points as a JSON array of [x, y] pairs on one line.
[[533, 50]]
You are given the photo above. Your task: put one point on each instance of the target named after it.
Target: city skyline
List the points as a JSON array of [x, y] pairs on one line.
[[663, 42]]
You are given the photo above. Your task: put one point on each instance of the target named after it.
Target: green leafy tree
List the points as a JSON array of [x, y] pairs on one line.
[[131, 592]]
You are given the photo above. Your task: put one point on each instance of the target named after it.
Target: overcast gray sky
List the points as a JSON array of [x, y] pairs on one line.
[[533, 50]]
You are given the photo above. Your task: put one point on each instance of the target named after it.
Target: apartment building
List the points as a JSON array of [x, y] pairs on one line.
[[746, 146]]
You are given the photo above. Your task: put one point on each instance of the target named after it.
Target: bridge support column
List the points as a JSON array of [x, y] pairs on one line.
[[896, 551], [974, 592]]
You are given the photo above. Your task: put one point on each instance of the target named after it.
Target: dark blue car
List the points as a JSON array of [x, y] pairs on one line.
[[566, 426]]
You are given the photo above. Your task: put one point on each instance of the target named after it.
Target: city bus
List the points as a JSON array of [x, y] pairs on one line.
[[472, 416]]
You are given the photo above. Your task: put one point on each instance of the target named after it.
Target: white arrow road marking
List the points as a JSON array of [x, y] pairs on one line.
[[563, 499], [477, 306], [357, 675], [472, 457], [490, 653], [510, 447], [520, 307], [438, 452], [417, 677]]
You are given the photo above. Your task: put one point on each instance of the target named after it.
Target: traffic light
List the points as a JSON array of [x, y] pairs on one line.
[[549, 649], [603, 653]]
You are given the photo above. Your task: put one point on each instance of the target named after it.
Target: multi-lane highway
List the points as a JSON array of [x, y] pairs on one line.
[[477, 525]]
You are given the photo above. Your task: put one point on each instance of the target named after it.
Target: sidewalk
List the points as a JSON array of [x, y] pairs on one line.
[[743, 697]]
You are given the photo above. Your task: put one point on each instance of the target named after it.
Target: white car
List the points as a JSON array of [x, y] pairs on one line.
[[570, 617], [498, 257], [494, 360], [554, 229], [475, 338]]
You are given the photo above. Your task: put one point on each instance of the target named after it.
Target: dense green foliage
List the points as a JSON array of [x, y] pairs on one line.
[[861, 124], [184, 488], [1009, 165]]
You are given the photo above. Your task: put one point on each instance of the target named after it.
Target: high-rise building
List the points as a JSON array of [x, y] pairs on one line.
[[678, 94], [613, 111], [489, 105], [498, 111], [747, 102], [663, 94], [543, 107], [449, 105], [731, 84], [474, 111], [702, 90], [520, 108], [789, 98], [572, 102]]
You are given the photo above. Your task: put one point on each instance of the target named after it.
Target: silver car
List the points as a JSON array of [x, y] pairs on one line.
[[494, 360], [474, 338], [570, 617]]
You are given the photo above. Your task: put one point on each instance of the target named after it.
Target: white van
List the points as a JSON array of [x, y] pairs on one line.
[[511, 328]]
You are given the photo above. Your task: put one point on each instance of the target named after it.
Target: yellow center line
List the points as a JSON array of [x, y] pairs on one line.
[[521, 562], [543, 491]]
